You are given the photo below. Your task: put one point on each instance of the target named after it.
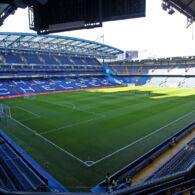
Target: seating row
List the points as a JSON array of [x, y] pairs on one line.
[[15, 173], [45, 59], [179, 162], [163, 81], [154, 70], [16, 87]]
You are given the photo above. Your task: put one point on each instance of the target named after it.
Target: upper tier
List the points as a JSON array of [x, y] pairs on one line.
[[13, 58]]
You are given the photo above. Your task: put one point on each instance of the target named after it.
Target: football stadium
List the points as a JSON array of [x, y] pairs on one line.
[[76, 118]]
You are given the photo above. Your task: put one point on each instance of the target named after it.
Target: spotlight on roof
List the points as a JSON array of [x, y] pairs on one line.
[[171, 11], [164, 6]]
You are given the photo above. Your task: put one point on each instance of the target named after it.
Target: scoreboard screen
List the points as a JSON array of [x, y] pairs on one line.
[[64, 15]]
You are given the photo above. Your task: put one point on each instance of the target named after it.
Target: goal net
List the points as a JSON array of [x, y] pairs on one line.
[[29, 97], [5, 113], [131, 85]]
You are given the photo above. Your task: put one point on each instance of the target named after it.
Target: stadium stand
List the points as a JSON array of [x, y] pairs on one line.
[[151, 75], [179, 162], [38, 79], [29, 70], [20, 173]]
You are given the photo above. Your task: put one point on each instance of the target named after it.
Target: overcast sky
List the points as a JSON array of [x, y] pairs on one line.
[[158, 34]]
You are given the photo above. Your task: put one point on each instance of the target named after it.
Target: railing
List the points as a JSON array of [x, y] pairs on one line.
[[45, 180], [140, 163]]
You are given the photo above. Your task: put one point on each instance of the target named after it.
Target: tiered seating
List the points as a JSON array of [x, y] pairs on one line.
[[92, 61], [45, 59], [154, 70], [15, 173], [155, 81], [179, 162], [49, 60], [147, 69], [17, 87], [64, 60], [6, 90], [185, 82], [191, 70], [189, 82], [35, 73], [32, 59], [178, 70], [143, 80], [23, 87], [161, 70], [173, 81], [120, 70], [77, 61], [133, 70], [12, 58], [157, 75], [48, 73]]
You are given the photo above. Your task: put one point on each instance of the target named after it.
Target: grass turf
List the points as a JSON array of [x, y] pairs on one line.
[[96, 125]]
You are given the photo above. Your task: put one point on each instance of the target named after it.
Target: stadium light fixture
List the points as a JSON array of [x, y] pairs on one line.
[[164, 6], [171, 11]]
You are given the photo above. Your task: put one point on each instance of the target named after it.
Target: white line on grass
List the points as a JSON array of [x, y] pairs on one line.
[[123, 148], [28, 119], [74, 107], [45, 139], [27, 111], [70, 125], [70, 103]]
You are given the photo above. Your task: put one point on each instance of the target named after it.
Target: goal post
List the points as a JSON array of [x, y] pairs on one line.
[[5, 109], [5, 113]]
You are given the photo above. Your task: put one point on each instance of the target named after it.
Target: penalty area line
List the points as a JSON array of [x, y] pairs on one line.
[[70, 125], [74, 107], [50, 142], [27, 111], [125, 147]]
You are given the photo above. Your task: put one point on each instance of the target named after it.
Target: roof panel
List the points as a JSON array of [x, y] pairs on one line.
[[37, 39], [47, 40], [51, 43], [12, 38], [56, 40], [76, 42], [2, 37], [26, 38]]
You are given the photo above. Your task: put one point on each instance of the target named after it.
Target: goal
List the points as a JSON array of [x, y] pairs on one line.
[[131, 85], [29, 97], [5, 113]]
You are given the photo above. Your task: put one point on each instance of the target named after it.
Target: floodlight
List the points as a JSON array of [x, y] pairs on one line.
[[171, 11], [164, 6]]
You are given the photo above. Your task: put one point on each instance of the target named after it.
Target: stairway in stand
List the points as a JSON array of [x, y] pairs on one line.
[[188, 68]]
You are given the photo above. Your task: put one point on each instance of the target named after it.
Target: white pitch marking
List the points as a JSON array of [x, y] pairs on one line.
[[28, 119], [123, 148], [74, 107], [63, 150], [28, 111], [70, 125]]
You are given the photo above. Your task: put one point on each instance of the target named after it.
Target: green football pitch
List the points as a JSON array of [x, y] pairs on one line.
[[85, 134]]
